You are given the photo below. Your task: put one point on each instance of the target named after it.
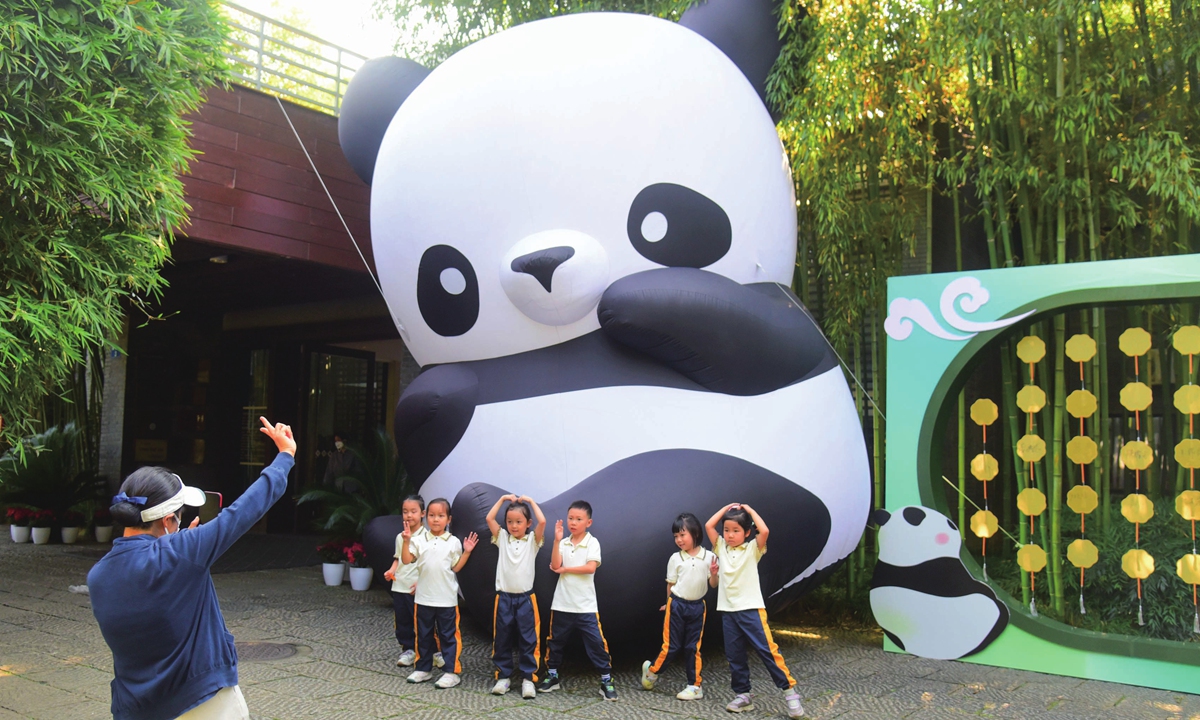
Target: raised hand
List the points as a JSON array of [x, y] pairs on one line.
[[713, 567], [406, 533], [280, 434], [469, 542], [194, 523], [558, 532], [510, 498]]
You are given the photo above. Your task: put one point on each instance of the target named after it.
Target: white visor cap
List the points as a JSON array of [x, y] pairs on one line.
[[187, 495]]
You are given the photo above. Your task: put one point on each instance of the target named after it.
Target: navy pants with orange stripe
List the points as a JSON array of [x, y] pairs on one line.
[[515, 623], [749, 627], [565, 624], [406, 619], [682, 631], [442, 623]]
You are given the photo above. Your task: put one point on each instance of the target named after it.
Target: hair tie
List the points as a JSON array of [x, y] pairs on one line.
[[123, 498]]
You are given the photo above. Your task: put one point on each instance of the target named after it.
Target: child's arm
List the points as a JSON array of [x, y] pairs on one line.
[[494, 526], [713, 572], [761, 526], [669, 586], [555, 556], [406, 555], [468, 544], [390, 575], [539, 532], [588, 568], [711, 526]]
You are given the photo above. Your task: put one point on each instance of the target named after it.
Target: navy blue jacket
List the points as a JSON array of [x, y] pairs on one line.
[[158, 612]]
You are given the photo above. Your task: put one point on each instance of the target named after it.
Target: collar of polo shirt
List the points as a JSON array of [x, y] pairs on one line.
[[582, 543]]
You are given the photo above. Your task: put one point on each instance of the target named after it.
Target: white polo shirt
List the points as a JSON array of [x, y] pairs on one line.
[[434, 555], [689, 574], [406, 575], [738, 587], [577, 593], [518, 559]]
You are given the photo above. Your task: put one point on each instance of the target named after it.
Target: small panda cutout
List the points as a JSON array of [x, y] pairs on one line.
[[921, 593], [586, 229]]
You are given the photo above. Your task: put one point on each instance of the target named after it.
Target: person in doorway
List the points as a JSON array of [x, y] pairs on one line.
[[343, 465], [154, 599]]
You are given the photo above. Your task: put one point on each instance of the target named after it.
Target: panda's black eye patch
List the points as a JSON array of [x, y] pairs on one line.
[[447, 291], [676, 226], [914, 515]]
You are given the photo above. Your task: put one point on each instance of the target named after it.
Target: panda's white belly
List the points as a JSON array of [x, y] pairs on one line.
[[542, 446], [934, 627]]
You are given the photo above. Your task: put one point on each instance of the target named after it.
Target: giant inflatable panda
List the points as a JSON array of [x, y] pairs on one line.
[[585, 229]]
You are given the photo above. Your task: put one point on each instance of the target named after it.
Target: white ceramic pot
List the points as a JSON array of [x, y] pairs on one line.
[[360, 578], [103, 533], [19, 533], [70, 535], [41, 536], [334, 573]]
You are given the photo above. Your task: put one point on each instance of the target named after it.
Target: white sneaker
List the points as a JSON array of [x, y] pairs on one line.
[[794, 708], [407, 658], [691, 692], [528, 689], [648, 678], [448, 680], [742, 702], [419, 676], [438, 662], [500, 687]]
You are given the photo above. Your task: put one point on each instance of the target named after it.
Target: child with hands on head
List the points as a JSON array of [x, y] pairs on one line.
[[739, 545], [438, 555], [515, 618], [404, 583], [690, 573]]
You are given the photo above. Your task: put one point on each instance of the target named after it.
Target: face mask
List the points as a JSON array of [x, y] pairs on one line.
[[339, 445]]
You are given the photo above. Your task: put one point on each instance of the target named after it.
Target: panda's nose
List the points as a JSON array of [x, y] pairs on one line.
[[541, 264]]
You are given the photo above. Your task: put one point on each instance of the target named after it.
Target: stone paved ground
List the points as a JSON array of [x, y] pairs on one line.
[[54, 664]]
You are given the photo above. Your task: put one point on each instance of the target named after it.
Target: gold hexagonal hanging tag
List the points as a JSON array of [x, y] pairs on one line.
[[1031, 501], [1137, 508], [1031, 349], [1187, 399], [1188, 568], [1082, 450], [1031, 398], [1081, 404], [1080, 348], [1137, 455], [1187, 340], [1137, 564], [1031, 558], [984, 412], [1188, 504], [1082, 499], [1187, 453], [1031, 448], [1134, 342], [984, 467], [1136, 396], [1083, 553], [984, 524]]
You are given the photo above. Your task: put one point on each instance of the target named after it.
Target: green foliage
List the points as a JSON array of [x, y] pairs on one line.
[[92, 141], [382, 484], [50, 474]]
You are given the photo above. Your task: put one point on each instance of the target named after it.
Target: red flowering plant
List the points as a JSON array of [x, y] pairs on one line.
[[41, 518], [102, 517], [356, 555], [71, 519], [18, 516], [333, 551]]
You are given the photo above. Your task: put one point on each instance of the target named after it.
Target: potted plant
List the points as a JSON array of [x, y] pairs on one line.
[[72, 524], [18, 524], [102, 520], [360, 573], [42, 521], [333, 561]]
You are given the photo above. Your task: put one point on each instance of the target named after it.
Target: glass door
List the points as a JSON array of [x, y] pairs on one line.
[[341, 401]]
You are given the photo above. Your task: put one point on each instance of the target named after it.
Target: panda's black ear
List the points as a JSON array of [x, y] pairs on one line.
[[374, 95], [745, 30], [881, 517]]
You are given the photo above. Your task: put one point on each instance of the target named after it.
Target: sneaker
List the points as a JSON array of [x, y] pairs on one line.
[[448, 680], [792, 698], [741, 703], [691, 692], [528, 690], [407, 658], [608, 691], [549, 683], [500, 687], [419, 676], [438, 662], [648, 678]]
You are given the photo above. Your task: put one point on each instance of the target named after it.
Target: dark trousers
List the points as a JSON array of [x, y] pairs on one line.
[[565, 624], [406, 620], [515, 623], [440, 623], [749, 627], [683, 628]]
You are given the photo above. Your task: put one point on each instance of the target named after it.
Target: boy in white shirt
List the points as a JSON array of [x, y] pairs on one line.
[[438, 556], [515, 618], [575, 559]]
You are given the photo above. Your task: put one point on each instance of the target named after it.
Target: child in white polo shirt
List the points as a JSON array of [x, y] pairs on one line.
[[404, 581], [575, 559], [438, 555], [739, 599], [690, 573], [515, 617]]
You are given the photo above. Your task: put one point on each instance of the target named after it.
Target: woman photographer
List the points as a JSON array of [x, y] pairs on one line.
[[154, 598]]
